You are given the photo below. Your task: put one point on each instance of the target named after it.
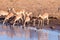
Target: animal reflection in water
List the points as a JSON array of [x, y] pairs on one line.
[[25, 17]]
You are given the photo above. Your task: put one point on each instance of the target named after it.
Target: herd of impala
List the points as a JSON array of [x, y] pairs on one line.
[[24, 16]]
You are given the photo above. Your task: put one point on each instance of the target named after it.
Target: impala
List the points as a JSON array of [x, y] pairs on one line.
[[27, 19], [10, 14], [19, 15], [43, 17], [3, 13]]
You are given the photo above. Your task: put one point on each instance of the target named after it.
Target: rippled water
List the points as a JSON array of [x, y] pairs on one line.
[[27, 34]]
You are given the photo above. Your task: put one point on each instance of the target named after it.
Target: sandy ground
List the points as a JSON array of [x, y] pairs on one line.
[[36, 6]]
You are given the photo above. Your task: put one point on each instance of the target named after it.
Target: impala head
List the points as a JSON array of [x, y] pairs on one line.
[[39, 15], [13, 10], [26, 13], [30, 13], [22, 11], [9, 9]]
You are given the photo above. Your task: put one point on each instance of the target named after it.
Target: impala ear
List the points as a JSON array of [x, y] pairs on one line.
[[26, 13], [13, 9]]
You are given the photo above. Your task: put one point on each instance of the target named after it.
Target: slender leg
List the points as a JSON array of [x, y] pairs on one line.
[[43, 22], [39, 23], [47, 21], [4, 21], [24, 25], [34, 23], [22, 20], [17, 18], [14, 23]]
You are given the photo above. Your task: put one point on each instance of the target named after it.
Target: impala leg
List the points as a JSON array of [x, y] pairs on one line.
[[39, 23], [22, 20], [43, 23], [47, 21], [24, 25], [4, 20], [34, 23], [14, 23]]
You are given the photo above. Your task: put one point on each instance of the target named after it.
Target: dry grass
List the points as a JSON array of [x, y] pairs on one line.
[[36, 6]]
